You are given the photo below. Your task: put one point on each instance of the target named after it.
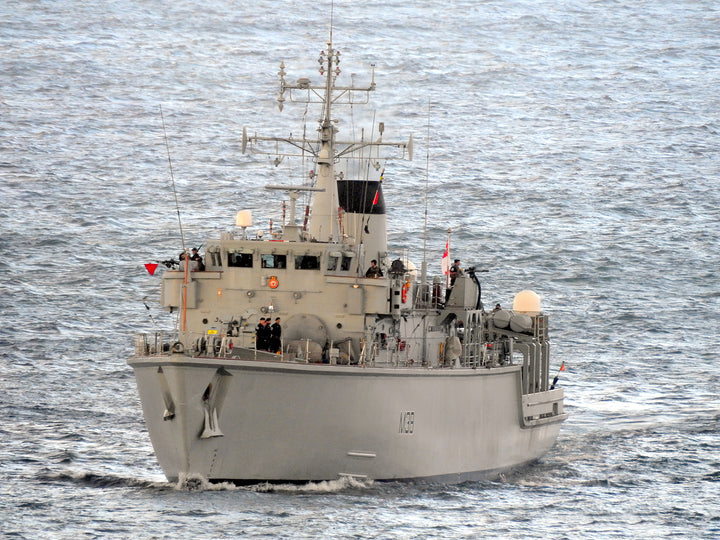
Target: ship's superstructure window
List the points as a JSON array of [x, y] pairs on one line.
[[213, 258], [339, 261], [268, 260], [307, 262], [240, 260]]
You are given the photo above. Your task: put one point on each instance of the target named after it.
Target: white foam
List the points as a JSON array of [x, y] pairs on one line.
[[197, 482]]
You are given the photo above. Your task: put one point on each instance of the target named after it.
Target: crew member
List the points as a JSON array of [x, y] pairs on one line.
[[374, 270], [262, 335], [275, 333], [455, 271], [196, 257]]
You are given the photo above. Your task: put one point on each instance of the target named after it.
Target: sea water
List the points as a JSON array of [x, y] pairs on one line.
[[570, 147]]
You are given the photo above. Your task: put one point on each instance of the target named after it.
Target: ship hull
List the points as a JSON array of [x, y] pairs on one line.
[[252, 421]]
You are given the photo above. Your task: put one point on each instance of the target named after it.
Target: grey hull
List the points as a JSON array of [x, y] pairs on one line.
[[251, 421]]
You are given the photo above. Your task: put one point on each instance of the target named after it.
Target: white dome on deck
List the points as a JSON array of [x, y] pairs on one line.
[[527, 302], [243, 218]]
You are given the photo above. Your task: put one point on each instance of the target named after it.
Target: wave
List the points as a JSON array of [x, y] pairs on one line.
[[102, 480]]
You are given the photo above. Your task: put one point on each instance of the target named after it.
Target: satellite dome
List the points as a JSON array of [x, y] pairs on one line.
[[527, 302]]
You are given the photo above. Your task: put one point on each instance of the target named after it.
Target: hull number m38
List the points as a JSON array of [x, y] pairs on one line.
[[407, 422]]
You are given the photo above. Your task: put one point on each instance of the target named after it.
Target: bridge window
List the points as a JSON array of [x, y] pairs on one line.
[[307, 262], [240, 260], [268, 260]]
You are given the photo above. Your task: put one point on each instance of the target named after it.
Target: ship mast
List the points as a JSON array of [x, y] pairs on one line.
[[324, 224]]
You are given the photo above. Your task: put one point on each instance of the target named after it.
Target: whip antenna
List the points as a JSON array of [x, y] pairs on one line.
[[427, 183], [427, 188], [172, 178]]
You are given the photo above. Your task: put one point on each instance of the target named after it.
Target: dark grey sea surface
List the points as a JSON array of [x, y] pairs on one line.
[[572, 148]]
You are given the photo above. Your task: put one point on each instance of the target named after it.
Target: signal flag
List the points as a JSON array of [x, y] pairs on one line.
[[555, 380], [445, 264]]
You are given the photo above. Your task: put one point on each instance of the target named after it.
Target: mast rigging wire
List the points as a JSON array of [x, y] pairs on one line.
[[172, 178]]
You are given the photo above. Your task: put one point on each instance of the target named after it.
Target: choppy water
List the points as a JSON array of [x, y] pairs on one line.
[[573, 150]]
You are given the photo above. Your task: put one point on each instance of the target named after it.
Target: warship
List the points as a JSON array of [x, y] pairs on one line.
[[309, 351]]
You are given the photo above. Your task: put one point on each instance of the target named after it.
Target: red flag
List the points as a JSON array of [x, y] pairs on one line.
[[562, 366], [445, 264], [151, 267]]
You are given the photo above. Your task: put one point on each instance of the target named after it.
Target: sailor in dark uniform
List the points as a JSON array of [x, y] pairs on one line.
[[262, 335], [374, 270], [196, 257], [275, 333], [455, 271]]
